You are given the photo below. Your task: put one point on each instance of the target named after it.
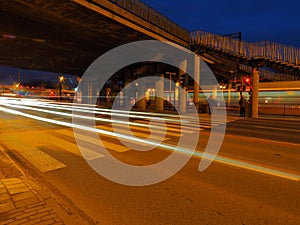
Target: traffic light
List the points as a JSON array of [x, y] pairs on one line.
[[247, 80]]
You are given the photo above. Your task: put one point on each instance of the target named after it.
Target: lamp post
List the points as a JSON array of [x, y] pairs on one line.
[[61, 78]]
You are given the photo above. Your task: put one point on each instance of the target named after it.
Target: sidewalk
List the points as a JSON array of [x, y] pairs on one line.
[[24, 201]]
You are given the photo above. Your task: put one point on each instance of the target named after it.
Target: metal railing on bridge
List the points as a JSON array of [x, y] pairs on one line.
[[150, 15], [265, 49], [270, 75]]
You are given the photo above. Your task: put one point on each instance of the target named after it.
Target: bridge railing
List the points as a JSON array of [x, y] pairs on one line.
[[265, 49], [150, 15], [270, 75]]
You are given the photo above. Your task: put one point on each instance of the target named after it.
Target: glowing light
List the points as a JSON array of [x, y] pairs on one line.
[[40, 104], [220, 159]]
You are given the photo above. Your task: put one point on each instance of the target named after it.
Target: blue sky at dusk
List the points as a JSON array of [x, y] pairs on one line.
[[257, 20]]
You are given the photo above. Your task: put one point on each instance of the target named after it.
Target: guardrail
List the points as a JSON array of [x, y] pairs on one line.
[[283, 109], [145, 12], [270, 75], [264, 49]]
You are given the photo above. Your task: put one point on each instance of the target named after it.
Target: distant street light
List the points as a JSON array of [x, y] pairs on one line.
[[61, 79]]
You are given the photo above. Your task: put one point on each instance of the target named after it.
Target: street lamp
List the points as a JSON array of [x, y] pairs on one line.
[[61, 78]]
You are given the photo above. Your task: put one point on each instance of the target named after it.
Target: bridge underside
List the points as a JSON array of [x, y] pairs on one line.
[[58, 35]]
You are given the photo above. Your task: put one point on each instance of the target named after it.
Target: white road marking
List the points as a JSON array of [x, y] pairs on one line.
[[277, 128]]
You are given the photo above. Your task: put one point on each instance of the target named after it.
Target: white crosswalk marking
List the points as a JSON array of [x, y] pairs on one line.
[[22, 144], [157, 130], [43, 161], [72, 148], [86, 137], [192, 125], [137, 133], [176, 128]]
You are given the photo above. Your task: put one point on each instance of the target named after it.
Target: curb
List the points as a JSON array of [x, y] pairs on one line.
[[24, 201]]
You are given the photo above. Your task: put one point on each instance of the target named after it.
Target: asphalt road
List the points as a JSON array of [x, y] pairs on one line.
[[254, 180]]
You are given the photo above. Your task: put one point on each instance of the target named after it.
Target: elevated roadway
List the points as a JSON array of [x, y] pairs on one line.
[[67, 36]]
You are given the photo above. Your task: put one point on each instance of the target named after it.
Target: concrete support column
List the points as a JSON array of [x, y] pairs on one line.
[[85, 92], [182, 90], [127, 95], [94, 93], [141, 100], [196, 81], [159, 95], [229, 94], [215, 91], [255, 91]]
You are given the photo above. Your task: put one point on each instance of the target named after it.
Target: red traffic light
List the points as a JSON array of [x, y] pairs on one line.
[[247, 80]]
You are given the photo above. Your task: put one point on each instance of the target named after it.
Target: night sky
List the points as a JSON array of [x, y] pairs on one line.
[[258, 20]]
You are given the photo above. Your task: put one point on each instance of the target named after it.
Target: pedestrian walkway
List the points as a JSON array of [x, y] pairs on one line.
[[24, 201]]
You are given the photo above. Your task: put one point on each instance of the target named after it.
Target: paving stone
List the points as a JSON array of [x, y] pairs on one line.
[[39, 215], [31, 183], [44, 193], [15, 212], [4, 197], [22, 196], [45, 209], [52, 216], [38, 205], [48, 222], [26, 202], [17, 222], [31, 222], [58, 223], [58, 220], [5, 221], [18, 190], [18, 185], [11, 181], [7, 206], [25, 215], [3, 190]]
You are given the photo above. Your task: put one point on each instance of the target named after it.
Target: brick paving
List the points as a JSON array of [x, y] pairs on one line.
[[24, 201], [20, 203]]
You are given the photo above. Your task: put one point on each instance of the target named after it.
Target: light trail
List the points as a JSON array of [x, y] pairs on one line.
[[90, 129], [220, 159], [149, 126], [94, 110], [121, 113]]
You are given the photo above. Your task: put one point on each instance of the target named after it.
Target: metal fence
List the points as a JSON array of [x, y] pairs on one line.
[[279, 109], [265, 49], [270, 75]]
